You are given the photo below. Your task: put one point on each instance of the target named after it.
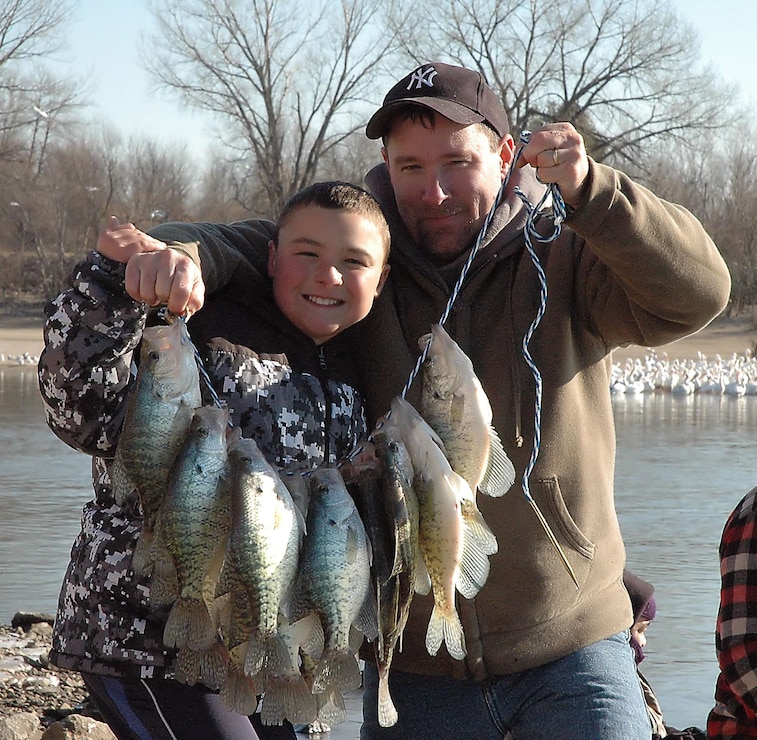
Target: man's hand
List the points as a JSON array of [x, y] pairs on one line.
[[558, 154], [155, 273]]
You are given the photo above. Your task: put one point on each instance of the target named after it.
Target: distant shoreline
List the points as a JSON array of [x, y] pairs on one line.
[[20, 334]]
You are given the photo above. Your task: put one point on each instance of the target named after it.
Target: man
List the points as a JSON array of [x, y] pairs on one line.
[[735, 712], [545, 659]]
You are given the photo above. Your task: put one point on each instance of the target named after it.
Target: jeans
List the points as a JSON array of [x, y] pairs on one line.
[[591, 694]]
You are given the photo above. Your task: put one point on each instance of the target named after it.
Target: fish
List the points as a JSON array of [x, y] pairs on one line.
[[333, 580], [263, 549], [455, 559], [158, 414], [455, 405], [191, 532], [395, 593]]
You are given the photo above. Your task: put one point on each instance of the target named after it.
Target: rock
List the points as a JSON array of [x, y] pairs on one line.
[[20, 726], [77, 727], [34, 695], [25, 620]]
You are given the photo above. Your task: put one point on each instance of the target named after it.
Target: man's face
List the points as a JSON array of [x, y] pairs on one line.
[[445, 179]]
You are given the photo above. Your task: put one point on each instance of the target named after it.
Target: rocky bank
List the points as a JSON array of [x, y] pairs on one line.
[[37, 700]]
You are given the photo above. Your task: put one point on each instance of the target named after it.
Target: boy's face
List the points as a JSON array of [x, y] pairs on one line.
[[328, 267]]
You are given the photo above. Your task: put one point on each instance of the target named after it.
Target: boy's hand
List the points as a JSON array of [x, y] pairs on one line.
[[155, 273]]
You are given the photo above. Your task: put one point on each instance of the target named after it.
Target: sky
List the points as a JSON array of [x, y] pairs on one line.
[[105, 48]]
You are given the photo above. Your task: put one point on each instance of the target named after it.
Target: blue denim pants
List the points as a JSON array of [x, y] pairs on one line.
[[592, 694]]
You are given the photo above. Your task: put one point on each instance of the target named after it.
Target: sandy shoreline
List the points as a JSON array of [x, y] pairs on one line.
[[21, 335]]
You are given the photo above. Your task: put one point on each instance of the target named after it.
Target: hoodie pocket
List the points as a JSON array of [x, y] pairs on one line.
[[561, 516]]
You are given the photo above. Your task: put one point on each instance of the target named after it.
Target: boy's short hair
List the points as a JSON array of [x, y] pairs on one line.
[[338, 195]]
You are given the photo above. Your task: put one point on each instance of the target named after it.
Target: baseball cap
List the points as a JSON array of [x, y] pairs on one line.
[[457, 93]]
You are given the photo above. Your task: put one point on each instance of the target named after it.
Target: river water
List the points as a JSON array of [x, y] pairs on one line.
[[682, 465]]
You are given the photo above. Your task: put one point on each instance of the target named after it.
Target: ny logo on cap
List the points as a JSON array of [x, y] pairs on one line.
[[422, 77]]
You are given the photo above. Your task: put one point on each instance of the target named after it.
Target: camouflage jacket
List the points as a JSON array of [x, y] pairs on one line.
[[298, 401]]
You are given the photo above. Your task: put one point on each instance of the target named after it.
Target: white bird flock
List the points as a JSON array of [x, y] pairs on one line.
[[734, 376], [26, 358]]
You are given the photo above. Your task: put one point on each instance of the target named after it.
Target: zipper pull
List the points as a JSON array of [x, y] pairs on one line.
[[321, 358]]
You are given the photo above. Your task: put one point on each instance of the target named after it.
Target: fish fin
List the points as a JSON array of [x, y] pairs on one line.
[[474, 566], [448, 629], [121, 484], [308, 634], [141, 558], [238, 693], [288, 697], [256, 656], [387, 712], [422, 579], [476, 527], [164, 583], [337, 670], [367, 619], [189, 624], [554, 541], [499, 475]]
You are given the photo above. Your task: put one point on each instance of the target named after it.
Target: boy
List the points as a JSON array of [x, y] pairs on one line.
[[269, 341]]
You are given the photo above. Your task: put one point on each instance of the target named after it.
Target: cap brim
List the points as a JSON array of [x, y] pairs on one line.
[[379, 122]]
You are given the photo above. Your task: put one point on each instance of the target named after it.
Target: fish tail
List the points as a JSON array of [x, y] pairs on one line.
[[288, 698], [445, 627], [187, 666], [214, 666], [554, 541], [387, 712], [331, 709], [270, 653], [189, 625], [238, 693], [338, 670]]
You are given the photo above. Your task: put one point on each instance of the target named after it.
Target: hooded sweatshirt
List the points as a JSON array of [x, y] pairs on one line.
[[627, 268]]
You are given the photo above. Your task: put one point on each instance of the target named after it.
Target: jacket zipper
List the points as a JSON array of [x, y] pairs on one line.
[[323, 365]]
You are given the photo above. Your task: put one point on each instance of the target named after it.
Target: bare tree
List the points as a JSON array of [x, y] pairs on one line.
[[285, 77], [625, 72]]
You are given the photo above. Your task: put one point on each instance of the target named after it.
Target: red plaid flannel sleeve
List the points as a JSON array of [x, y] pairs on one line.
[[735, 711]]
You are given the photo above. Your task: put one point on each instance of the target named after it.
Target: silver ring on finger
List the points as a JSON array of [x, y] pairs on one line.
[[555, 157]]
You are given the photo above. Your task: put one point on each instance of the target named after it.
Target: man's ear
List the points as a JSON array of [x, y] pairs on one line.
[[271, 258], [506, 154]]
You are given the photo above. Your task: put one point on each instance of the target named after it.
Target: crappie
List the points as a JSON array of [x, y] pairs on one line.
[[263, 549], [456, 407], [191, 533], [454, 558], [159, 411], [334, 579]]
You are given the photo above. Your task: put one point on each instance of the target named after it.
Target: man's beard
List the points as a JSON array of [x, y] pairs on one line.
[[445, 246]]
